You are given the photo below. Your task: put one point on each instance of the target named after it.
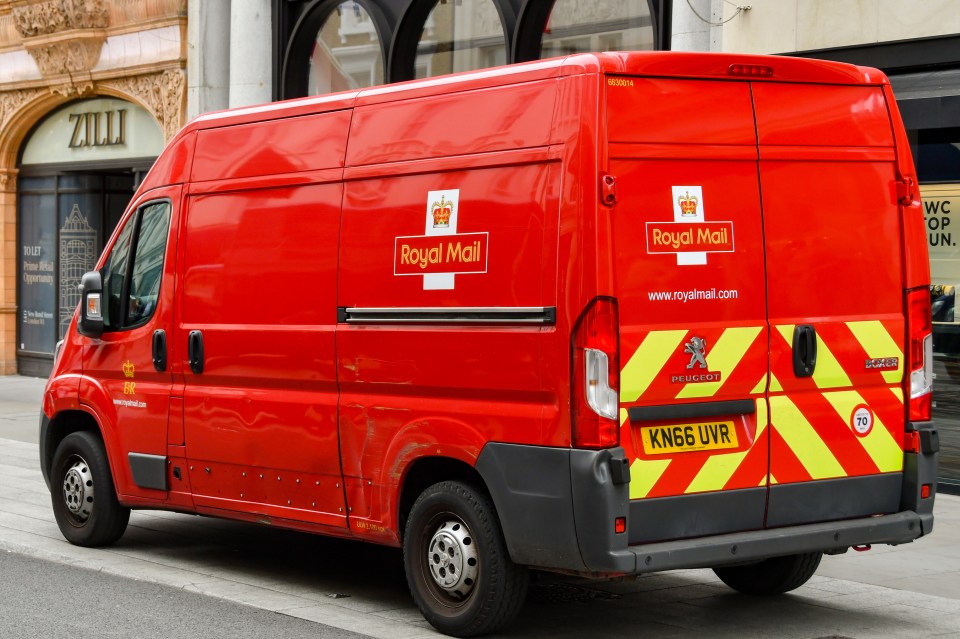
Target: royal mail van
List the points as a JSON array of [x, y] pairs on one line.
[[604, 315]]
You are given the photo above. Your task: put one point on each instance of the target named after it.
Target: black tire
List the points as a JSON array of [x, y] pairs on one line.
[[479, 589], [84, 499], [772, 576]]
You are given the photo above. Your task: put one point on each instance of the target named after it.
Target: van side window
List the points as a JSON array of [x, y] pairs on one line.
[[131, 277]]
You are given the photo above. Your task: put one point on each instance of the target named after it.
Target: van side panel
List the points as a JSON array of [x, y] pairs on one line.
[[474, 235], [827, 170], [259, 284], [291, 145], [495, 119]]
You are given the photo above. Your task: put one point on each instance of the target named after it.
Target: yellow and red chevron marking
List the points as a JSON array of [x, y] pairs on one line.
[[811, 436], [739, 355]]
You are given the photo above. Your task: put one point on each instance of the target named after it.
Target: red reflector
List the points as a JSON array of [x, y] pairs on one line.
[[750, 70], [911, 442], [925, 491], [620, 523]]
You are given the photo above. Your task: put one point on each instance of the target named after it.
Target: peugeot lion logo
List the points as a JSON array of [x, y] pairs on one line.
[[696, 347]]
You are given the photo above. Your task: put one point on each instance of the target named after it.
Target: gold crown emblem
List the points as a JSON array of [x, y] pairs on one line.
[[442, 211], [688, 204], [128, 368]]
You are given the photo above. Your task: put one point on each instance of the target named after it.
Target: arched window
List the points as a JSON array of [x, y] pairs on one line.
[[346, 53], [461, 35], [610, 25]]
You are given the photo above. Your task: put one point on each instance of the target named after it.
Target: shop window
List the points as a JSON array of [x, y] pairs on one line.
[[579, 27], [346, 53], [937, 155], [461, 35]]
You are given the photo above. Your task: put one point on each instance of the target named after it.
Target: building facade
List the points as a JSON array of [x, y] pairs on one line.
[[90, 90]]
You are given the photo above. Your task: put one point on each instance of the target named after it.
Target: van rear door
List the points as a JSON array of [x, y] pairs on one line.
[[690, 276], [835, 282]]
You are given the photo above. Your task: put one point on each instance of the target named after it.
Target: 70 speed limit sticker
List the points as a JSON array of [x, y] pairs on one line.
[[861, 420]]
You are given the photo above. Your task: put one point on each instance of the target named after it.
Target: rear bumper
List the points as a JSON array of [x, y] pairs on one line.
[[557, 507]]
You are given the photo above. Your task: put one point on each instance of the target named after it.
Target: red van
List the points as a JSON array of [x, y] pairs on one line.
[[606, 315]]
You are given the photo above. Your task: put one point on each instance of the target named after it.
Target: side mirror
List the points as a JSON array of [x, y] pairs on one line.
[[91, 305]]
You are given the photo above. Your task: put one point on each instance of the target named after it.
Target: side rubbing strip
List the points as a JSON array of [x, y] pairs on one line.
[[541, 315], [692, 411]]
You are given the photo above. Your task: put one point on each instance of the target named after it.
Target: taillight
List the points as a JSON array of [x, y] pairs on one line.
[[919, 354], [596, 376]]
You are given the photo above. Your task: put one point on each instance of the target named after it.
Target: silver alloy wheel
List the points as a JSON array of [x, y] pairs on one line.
[[452, 557], [78, 489]]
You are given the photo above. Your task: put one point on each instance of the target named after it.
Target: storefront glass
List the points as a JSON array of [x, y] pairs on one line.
[[578, 27], [80, 167], [937, 153], [461, 36], [347, 53]]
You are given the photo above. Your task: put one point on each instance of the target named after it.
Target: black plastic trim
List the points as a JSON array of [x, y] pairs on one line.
[[46, 455], [149, 471], [697, 515], [692, 411], [757, 545], [833, 499]]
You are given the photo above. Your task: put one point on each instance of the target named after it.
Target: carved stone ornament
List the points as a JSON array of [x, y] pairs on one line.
[[162, 93], [63, 36], [57, 16], [12, 101]]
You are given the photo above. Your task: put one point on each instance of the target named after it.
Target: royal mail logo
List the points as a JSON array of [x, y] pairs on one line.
[[441, 212], [684, 237], [452, 254], [440, 254], [689, 236], [688, 204], [128, 369]]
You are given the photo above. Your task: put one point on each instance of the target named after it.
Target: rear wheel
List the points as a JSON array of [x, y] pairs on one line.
[[456, 561], [84, 500], [772, 576]]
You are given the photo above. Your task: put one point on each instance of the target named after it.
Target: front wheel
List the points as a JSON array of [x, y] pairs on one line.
[[457, 565], [771, 576], [84, 500]]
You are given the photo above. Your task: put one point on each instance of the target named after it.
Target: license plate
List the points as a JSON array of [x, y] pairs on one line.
[[686, 438]]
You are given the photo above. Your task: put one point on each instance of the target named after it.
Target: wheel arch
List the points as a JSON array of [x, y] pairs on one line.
[[427, 471], [55, 429]]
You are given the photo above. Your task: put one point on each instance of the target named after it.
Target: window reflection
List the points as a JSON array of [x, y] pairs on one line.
[[347, 53], [461, 36], [615, 25], [937, 153]]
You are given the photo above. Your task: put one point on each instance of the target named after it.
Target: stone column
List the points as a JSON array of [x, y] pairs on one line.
[[208, 63], [692, 32], [251, 52], [8, 272]]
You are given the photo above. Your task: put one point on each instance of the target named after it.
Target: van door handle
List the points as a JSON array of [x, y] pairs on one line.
[[195, 351], [804, 350], [160, 350]]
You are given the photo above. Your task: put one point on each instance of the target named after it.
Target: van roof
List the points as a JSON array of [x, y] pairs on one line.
[[648, 63], [174, 164]]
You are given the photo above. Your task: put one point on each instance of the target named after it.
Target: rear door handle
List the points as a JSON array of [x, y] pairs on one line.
[[160, 350], [195, 351], [804, 350]]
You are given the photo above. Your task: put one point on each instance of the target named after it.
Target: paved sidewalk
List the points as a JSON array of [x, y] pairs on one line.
[[908, 591]]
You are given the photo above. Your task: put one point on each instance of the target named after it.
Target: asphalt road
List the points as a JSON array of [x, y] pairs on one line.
[[39, 599]]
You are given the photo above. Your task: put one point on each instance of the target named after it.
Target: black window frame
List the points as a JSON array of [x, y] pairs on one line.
[[124, 303]]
